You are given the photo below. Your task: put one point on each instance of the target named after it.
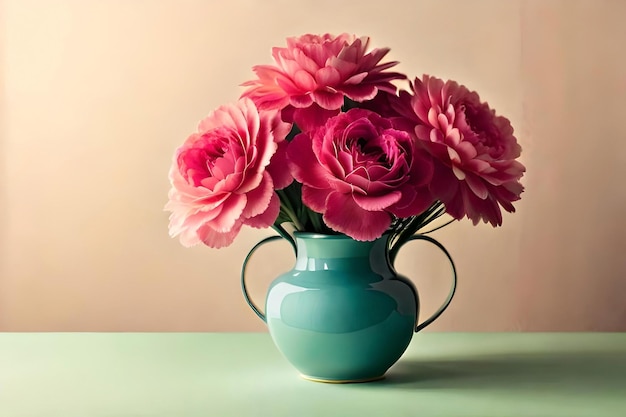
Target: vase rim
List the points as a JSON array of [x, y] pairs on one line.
[[316, 235]]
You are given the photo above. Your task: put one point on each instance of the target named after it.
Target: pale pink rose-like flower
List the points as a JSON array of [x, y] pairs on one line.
[[360, 172], [221, 176], [476, 171], [314, 73]]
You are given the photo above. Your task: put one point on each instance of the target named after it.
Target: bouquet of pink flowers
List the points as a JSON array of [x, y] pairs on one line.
[[323, 141]]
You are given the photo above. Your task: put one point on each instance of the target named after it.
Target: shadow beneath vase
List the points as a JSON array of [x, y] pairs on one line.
[[566, 372]]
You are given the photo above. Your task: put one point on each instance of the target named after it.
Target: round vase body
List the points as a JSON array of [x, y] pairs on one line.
[[342, 314]]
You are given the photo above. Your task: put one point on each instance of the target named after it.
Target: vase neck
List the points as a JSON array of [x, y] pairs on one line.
[[338, 252]]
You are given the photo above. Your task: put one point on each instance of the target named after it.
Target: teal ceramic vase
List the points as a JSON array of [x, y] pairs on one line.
[[342, 314]]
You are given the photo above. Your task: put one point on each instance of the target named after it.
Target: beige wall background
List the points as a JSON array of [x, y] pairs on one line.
[[96, 95]]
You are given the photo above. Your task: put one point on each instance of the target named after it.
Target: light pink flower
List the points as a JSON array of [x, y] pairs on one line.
[[475, 151], [359, 173], [221, 179], [316, 73]]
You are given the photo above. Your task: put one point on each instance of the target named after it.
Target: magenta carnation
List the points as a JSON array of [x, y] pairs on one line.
[[322, 141], [476, 171], [316, 73], [360, 172], [221, 179]]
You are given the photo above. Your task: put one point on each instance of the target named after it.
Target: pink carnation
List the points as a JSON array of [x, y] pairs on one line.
[[316, 73], [476, 170], [221, 179], [359, 173]]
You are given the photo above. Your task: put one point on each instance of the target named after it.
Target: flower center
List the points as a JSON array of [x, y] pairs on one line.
[[366, 152], [208, 158], [486, 138]]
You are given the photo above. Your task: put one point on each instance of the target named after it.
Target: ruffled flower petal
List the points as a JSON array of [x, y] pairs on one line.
[[476, 171], [321, 70], [344, 215], [220, 175], [359, 172]]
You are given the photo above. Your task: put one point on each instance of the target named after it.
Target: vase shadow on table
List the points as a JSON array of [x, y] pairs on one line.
[[567, 372]]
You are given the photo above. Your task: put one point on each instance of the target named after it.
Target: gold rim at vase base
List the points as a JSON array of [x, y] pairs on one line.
[[341, 381]]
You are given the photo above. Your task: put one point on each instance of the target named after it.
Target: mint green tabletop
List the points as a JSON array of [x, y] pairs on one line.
[[234, 374]]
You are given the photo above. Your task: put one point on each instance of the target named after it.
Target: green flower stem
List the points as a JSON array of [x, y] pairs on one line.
[[317, 222], [287, 208], [409, 227]]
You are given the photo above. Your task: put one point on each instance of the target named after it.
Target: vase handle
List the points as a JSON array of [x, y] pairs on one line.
[[253, 306], [446, 303]]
